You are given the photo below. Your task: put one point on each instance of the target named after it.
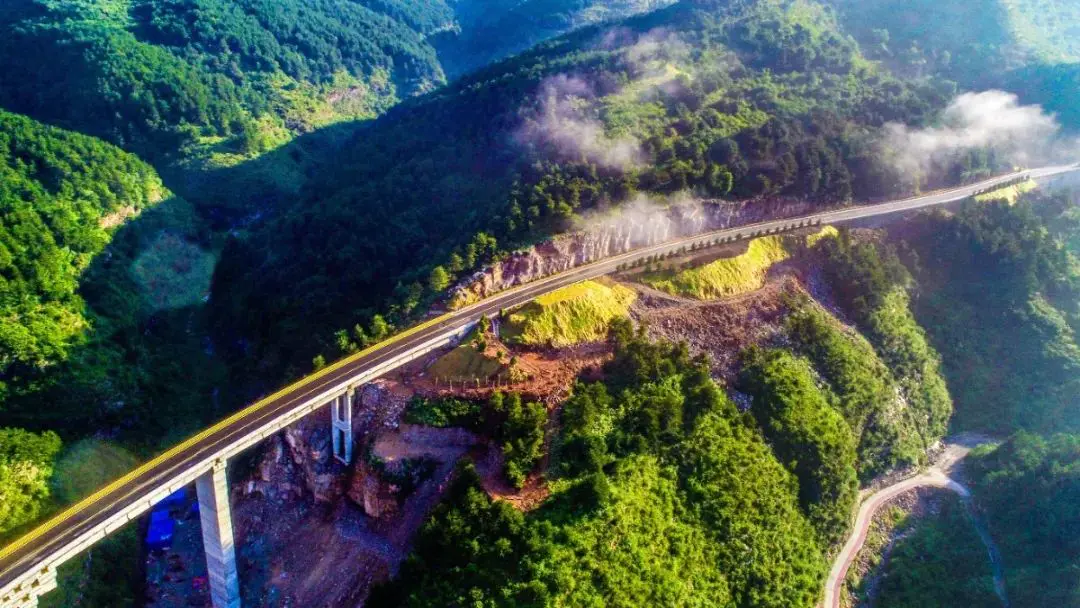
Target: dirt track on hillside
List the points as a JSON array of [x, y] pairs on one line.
[[938, 476]]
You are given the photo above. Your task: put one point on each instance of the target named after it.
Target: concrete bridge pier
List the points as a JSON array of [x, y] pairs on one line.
[[341, 426], [217, 534]]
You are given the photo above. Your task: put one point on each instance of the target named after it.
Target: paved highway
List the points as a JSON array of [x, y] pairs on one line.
[[101, 513]]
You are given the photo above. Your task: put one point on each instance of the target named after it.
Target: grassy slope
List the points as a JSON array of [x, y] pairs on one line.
[[571, 315], [1009, 193], [725, 277], [467, 362], [736, 275]]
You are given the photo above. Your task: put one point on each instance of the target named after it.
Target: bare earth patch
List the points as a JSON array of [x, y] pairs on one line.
[[721, 329]]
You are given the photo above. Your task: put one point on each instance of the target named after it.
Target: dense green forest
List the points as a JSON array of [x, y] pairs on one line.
[[807, 434], [739, 507], [62, 195], [26, 465], [331, 187], [1001, 301], [488, 31], [243, 76], [740, 100], [656, 471], [208, 92], [1029, 488], [96, 255], [997, 293], [80, 288], [115, 339], [152, 74], [958, 575], [874, 287], [865, 392], [1025, 46]]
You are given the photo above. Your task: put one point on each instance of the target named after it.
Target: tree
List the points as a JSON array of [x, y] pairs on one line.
[[380, 329], [521, 430], [809, 436], [439, 279], [26, 464]]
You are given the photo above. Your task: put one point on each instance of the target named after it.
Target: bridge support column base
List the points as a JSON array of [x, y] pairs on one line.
[[341, 436], [216, 518]]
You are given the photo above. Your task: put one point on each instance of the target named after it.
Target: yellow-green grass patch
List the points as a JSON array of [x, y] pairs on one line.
[[466, 363], [469, 362], [735, 275], [1009, 193], [572, 315], [725, 277]]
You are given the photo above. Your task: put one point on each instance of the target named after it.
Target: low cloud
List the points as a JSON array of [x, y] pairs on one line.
[[645, 220], [1022, 135], [657, 46], [565, 123]]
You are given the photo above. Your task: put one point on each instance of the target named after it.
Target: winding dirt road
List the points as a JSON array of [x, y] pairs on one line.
[[936, 477]]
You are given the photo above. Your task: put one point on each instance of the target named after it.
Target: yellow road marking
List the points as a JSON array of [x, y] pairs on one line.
[[193, 441]]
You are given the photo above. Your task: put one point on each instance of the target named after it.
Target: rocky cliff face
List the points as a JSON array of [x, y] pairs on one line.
[[631, 228], [300, 514], [298, 462]]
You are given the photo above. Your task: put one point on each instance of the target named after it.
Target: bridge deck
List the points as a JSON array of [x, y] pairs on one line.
[[84, 523]]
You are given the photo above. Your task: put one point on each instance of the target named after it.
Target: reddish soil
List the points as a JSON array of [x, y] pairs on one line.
[[299, 553], [550, 373]]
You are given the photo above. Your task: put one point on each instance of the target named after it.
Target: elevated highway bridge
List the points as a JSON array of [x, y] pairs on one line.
[[28, 565]]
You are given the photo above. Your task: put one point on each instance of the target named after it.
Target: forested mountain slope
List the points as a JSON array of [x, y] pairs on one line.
[[664, 494], [1027, 490], [1027, 46], [241, 76], [1002, 303], [150, 74], [998, 289], [62, 196], [1030, 488], [729, 99], [336, 189], [198, 88], [487, 31]]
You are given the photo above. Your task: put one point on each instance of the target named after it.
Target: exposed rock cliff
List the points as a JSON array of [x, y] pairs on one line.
[[298, 462], [631, 227], [314, 532]]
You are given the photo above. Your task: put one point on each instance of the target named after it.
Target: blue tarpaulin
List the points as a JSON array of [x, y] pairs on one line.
[[159, 534], [175, 499]]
